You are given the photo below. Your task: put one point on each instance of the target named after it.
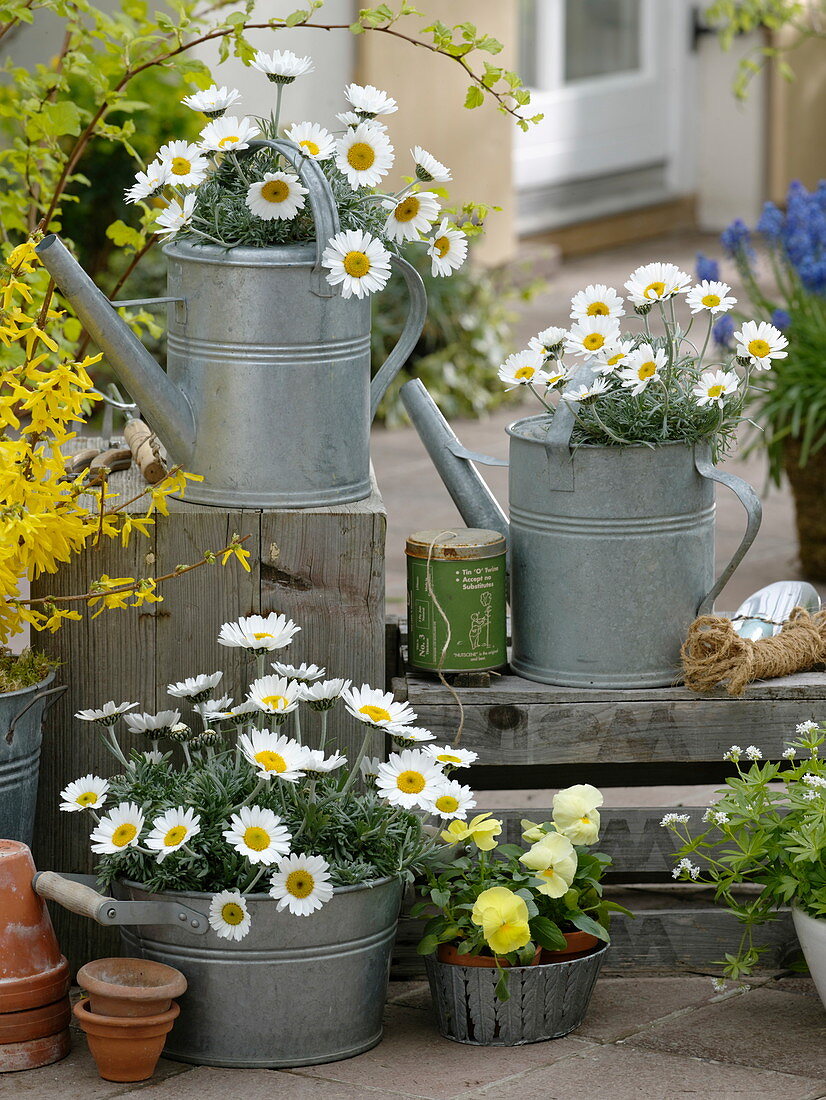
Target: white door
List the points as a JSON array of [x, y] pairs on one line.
[[612, 78]]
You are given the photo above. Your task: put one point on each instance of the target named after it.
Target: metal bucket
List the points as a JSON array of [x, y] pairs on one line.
[[21, 719], [296, 991], [612, 555], [546, 1001]]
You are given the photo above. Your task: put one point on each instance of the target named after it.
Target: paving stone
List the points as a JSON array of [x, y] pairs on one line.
[[620, 1073], [414, 1057], [412, 994], [763, 1027], [623, 1006], [797, 983], [205, 1083]]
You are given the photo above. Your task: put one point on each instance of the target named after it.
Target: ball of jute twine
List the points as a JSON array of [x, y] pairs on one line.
[[713, 653]]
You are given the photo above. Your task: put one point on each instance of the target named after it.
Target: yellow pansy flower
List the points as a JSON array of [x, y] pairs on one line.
[[503, 918], [575, 813], [482, 830], [554, 861]]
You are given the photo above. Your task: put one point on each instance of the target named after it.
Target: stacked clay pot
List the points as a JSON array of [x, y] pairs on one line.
[[128, 1014], [34, 976]]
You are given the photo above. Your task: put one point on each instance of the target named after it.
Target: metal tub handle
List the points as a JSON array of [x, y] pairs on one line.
[[53, 692], [82, 899]]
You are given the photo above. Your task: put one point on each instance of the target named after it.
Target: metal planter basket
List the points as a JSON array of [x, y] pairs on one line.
[[546, 1001], [21, 721]]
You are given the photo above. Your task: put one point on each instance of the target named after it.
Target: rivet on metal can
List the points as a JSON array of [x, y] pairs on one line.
[[467, 586]]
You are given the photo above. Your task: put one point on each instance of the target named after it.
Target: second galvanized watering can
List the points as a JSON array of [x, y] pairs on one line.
[[611, 548], [267, 393]]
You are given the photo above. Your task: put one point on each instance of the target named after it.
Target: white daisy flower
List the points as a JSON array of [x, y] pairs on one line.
[[274, 694], [611, 357], [760, 343], [369, 768], [410, 735], [176, 216], [107, 715], [187, 167], [314, 140], [452, 801], [273, 756], [710, 296], [450, 757], [153, 756], [172, 830], [229, 916], [410, 778], [376, 708], [364, 154], [304, 673], [586, 393], [357, 262], [428, 169], [258, 834], [523, 368], [323, 694], [149, 183], [556, 375], [195, 688], [212, 102], [714, 386], [548, 342], [655, 283], [588, 336], [228, 133], [215, 710], [259, 633], [119, 829], [88, 792], [447, 249], [278, 196], [282, 66], [351, 119], [320, 764], [643, 367], [153, 725], [596, 300], [301, 884], [369, 101], [411, 216]]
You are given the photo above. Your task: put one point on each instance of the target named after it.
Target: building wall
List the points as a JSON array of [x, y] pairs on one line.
[[797, 150]]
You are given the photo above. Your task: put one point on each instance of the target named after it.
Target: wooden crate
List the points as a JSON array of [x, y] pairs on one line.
[[532, 736], [323, 567]]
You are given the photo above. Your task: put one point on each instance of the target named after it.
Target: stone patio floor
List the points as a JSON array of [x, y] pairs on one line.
[[647, 1038]]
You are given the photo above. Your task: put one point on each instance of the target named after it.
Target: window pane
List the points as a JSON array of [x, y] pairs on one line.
[[602, 37]]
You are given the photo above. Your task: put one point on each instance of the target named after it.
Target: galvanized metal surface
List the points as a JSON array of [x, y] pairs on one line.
[[762, 615], [296, 991], [546, 1001], [267, 393], [21, 717], [78, 894]]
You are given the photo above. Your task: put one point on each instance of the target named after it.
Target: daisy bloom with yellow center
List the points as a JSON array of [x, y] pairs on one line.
[[301, 884], [172, 830], [357, 262], [187, 167], [585, 393], [575, 813], [282, 66], [612, 357], [228, 133], [449, 757], [759, 344], [257, 834], [410, 778], [177, 216], [523, 368], [304, 673], [368, 101], [409, 736], [643, 366], [277, 197], [655, 282], [428, 169], [710, 296], [596, 300], [447, 249], [87, 793], [117, 830], [715, 386], [274, 694], [258, 633], [313, 140], [588, 337], [548, 342], [411, 215], [274, 756], [364, 155], [376, 708], [453, 801], [212, 102], [482, 830], [553, 860], [229, 916], [503, 918], [149, 183]]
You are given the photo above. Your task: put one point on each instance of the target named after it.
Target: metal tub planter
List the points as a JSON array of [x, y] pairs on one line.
[[296, 991], [21, 721]]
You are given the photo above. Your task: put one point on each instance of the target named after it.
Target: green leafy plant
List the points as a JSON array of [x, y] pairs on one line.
[[802, 20]]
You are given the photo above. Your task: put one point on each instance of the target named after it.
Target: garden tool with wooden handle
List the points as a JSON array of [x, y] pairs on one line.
[[138, 436]]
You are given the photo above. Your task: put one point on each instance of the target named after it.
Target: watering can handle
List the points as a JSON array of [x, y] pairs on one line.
[[750, 501], [82, 899], [416, 314], [558, 439], [322, 203]]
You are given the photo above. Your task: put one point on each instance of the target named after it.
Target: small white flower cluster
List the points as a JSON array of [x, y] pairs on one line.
[[715, 817], [672, 820], [812, 780], [789, 753], [733, 754], [806, 727], [686, 869]]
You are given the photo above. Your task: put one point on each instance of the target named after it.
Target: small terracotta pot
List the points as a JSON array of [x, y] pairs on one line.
[[448, 954], [125, 1048], [34, 1053], [579, 944], [130, 987], [35, 1023]]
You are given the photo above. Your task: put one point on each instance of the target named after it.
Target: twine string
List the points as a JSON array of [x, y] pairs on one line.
[[428, 583]]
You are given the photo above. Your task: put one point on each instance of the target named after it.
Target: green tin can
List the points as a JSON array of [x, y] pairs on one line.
[[468, 581]]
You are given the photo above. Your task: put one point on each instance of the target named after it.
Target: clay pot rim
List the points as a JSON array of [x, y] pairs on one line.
[[36, 989], [96, 1023], [100, 987], [486, 962], [45, 1020]]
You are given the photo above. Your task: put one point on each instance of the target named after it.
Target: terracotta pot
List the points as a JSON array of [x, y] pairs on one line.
[[448, 954], [579, 944], [807, 487], [125, 1048], [130, 987], [32, 970], [35, 1023], [34, 1052]]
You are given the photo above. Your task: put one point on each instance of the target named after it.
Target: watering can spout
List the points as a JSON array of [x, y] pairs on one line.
[[455, 464], [161, 402]]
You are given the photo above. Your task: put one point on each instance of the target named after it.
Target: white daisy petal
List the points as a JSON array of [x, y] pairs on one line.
[[313, 140], [369, 101], [259, 633], [524, 368], [323, 694], [301, 884], [229, 916], [655, 282], [376, 708], [364, 155], [357, 262], [548, 342], [451, 757], [428, 169], [228, 133], [410, 778], [596, 300], [275, 694], [149, 183], [258, 834], [187, 167], [447, 249], [176, 216], [282, 66], [590, 335], [304, 673], [171, 830], [710, 296], [88, 792], [274, 756], [452, 801], [643, 367], [760, 343], [195, 687], [153, 725], [715, 386], [108, 713], [278, 196], [212, 102], [117, 830], [410, 216]]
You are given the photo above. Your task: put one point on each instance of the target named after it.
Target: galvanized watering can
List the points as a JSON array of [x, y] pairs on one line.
[[267, 391], [611, 548]]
